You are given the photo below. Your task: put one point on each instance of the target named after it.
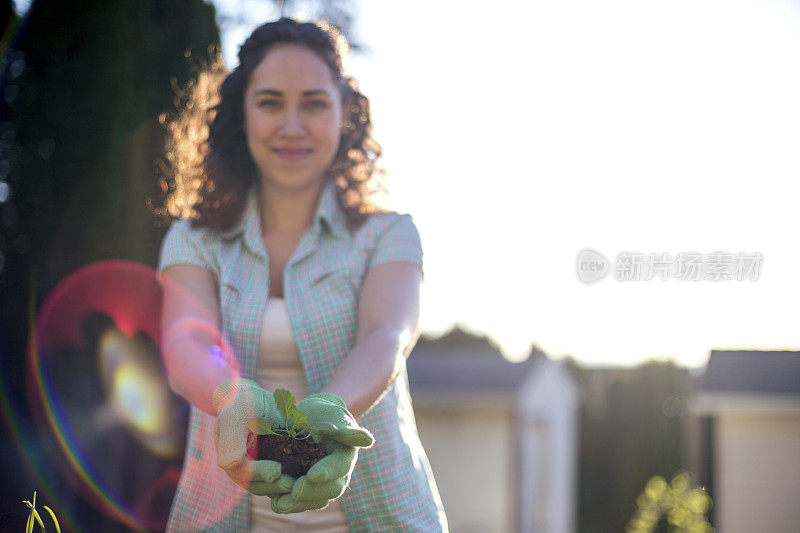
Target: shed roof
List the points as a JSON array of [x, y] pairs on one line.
[[461, 361], [752, 371]]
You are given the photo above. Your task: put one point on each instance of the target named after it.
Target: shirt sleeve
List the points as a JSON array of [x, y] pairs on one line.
[[398, 241], [184, 245]]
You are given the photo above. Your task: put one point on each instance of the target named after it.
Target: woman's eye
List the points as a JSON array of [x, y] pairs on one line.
[[316, 105], [269, 104]]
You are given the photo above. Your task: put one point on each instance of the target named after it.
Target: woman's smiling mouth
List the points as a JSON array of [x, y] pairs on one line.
[[292, 154]]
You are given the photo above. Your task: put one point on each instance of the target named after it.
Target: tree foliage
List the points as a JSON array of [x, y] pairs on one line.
[[631, 429], [81, 89]]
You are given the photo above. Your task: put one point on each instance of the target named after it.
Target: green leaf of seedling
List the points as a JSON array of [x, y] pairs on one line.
[[299, 421], [259, 426], [29, 525], [53, 516], [286, 403], [299, 425]]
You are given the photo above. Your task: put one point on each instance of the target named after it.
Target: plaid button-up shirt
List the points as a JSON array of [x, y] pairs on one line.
[[392, 487]]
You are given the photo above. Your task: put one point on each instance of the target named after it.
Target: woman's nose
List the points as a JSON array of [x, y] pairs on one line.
[[293, 123]]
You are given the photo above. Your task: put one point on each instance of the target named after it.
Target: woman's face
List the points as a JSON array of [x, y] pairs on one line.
[[293, 117]]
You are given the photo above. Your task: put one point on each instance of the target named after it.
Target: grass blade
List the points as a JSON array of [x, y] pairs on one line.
[[38, 519], [53, 516]]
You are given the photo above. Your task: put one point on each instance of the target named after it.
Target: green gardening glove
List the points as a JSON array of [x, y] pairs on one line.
[[237, 401], [333, 425]]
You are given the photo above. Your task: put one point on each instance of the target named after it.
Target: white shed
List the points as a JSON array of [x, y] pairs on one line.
[[744, 439], [502, 437]]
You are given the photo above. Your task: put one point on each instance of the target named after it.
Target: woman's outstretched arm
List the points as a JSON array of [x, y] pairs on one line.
[[194, 353], [388, 328]]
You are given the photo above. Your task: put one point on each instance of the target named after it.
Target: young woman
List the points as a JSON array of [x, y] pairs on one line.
[[285, 274]]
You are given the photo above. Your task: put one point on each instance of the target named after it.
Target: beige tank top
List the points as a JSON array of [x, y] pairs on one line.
[[279, 367]]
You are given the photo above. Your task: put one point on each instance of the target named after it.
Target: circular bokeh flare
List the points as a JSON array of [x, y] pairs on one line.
[[97, 375]]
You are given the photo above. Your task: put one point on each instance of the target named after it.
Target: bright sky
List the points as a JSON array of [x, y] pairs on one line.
[[518, 136]]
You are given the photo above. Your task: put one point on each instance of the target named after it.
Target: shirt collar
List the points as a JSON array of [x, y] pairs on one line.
[[328, 215]]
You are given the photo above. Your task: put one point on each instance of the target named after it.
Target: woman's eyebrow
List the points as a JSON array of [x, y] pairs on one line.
[[316, 92], [268, 92]]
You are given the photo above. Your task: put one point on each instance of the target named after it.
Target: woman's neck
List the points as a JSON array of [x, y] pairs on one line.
[[286, 211]]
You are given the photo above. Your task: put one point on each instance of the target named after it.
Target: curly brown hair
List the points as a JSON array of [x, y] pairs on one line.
[[209, 169]]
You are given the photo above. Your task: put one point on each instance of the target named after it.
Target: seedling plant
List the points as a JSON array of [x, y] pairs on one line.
[[295, 421], [289, 443]]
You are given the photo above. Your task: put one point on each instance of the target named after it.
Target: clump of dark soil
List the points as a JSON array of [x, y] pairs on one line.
[[296, 456]]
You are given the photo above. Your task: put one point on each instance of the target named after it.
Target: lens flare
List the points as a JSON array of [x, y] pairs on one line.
[[97, 377], [137, 391]]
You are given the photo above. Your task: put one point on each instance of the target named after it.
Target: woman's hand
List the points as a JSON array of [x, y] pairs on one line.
[[333, 425], [236, 402]]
